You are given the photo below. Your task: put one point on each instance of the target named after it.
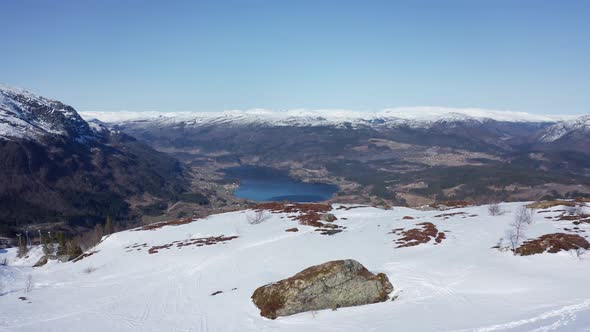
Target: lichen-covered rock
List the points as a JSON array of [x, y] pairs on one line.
[[328, 217], [331, 285], [42, 261]]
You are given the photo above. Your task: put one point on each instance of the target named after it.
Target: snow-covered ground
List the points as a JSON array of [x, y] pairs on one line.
[[461, 284]]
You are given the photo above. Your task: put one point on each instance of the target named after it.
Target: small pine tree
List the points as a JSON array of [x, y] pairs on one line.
[[74, 249], [108, 226], [47, 249], [62, 246]]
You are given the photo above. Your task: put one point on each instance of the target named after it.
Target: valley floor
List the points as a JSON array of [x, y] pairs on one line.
[[163, 279]]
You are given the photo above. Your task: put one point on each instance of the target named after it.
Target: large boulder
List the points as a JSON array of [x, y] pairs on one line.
[[331, 285]]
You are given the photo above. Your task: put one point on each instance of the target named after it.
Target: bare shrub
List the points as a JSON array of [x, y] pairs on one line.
[[574, 210], [89, 269], [494, 209], [516, 233], [29, 284], [580, 252], [525, 215], [258, 217]]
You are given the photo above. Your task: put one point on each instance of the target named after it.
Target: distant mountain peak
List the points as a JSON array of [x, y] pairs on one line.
[[25, 115]]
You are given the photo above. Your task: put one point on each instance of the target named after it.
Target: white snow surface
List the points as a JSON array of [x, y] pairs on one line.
[[461, 284], [411, 116]]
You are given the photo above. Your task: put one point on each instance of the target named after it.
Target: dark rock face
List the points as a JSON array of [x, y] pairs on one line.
[[335, 284]]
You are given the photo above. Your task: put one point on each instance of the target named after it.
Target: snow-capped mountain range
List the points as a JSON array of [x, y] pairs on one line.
[[403, 116]]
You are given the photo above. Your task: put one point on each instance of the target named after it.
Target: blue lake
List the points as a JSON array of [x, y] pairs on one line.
[[265, 184]]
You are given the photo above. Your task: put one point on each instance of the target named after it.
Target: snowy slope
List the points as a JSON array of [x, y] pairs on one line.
[[560, 130], [403, 116], [460, 284], [24, 115]]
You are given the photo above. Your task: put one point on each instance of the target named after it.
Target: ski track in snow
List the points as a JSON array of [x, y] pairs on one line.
[[563, 316]]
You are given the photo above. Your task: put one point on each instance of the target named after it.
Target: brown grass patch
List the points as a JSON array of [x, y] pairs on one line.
[[550, 204], [347, 208], [573, 217], [158, 225], [451, 204], [294, 229], [308, 214], [448, 215], [552, 243], [84, 255], [417, 236], [408, 218], [199, 242]]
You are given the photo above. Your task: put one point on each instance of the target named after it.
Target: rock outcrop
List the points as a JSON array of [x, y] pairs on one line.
[[331, 285]]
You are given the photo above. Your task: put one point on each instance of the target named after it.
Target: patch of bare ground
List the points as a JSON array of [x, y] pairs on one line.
[[84, 255], [348, 208], [448, 215], [136, 246], [416, 236], [573, 217], [553, 243], [550, 204], [308, 214], [445, 205], [198, 242], [158, 225], [294, 229], [408, 218]]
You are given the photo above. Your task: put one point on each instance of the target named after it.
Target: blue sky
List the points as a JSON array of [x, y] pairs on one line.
[[101, 55]]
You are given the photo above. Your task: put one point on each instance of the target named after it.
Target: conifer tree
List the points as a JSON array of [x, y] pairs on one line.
[[74, 249], [108, 227], [62, 247]]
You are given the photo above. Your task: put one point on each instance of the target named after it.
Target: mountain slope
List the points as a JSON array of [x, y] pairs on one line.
[[144, 280], [413, 155], [57, 168]]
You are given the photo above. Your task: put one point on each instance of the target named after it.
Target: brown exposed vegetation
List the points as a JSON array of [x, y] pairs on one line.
[[552, 243], [158, 225], [417, 236], [573, 217], [347, 208], [294, 229], [550, 204], [199, 242], [448, 215], [84, 255], [443, 205], [408, 218], [308, 214]]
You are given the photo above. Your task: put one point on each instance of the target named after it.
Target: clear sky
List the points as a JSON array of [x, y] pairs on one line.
[[107, 55]]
